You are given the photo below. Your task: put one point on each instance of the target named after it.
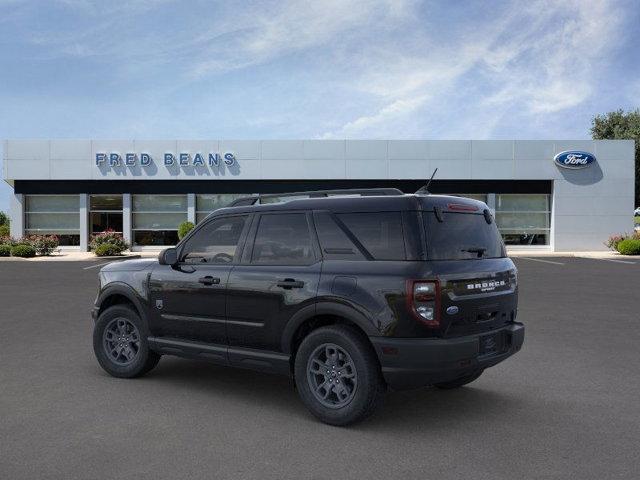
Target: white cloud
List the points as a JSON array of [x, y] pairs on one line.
[[390, 64], [396, 109], [293, 26], [552, 65], [542, 57]]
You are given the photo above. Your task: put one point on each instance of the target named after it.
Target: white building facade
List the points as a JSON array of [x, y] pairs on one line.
[[553, 195]]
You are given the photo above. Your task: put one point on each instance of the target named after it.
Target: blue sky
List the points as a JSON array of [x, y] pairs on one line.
[[322, 69]]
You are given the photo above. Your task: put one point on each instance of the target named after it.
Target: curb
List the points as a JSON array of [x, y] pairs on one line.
[[116, 257]]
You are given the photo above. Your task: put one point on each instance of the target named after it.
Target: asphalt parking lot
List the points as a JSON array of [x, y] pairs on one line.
[[567, 406]]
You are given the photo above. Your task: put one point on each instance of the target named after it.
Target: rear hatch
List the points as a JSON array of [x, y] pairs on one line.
[[477, 281]]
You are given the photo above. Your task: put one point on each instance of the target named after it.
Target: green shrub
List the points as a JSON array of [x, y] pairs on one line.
[[4, 231], [44, 244], [108, 250], [108, 237], [613, 241], [5, 250], [23, 250], [4, 218], [630, 246], [184, 228], [13, 241]]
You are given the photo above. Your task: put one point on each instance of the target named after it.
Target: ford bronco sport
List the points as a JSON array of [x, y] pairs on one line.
[[349, 293]]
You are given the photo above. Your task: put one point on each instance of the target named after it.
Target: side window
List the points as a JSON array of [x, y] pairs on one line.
[[216, 242], [283, 239], [334, 242], [380, 233]]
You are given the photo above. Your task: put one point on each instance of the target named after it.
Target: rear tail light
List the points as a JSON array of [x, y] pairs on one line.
[[423, 298], [461, 207]]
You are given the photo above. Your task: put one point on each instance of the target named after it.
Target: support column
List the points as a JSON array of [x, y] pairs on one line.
[[126, 219], [191, 207], [17, 215], [491, 203], [552, 220], [84, 222]]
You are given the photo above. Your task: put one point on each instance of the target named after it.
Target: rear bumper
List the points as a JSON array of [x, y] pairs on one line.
[[415, 362]]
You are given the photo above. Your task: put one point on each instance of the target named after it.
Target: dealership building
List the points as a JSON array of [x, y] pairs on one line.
[[554, 195]]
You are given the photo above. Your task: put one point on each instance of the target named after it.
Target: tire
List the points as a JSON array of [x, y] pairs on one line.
[[459, 382], [359, 387], [131, 358]]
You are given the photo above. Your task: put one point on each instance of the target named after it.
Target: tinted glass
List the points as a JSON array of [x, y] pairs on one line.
[[159, 203], [106, 202], [146, 238], [334, 242], [462, 236], [216, 242], [106, 221], [205, 204], [53, 203], [380, 233], [283, 239]]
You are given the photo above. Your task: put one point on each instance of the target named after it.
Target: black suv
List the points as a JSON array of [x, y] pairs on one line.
[[348, 293]]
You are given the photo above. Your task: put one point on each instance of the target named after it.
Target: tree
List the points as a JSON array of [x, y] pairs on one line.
[[4, 225], [620, 125]]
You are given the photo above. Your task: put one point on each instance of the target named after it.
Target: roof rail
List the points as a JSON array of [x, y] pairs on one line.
[[363, 192]]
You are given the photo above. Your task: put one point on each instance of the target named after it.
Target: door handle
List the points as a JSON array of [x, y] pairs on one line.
[[209, 280], [289, 283]]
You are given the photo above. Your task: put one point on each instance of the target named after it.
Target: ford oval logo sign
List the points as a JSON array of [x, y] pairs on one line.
[[574, 159]]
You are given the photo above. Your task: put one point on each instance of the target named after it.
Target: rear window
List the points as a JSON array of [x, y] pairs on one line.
[[462, 236]]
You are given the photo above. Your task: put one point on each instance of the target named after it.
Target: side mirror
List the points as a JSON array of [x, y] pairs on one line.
[[168, 256]]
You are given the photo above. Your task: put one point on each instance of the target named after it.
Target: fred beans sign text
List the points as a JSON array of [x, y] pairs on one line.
[[169, 159]]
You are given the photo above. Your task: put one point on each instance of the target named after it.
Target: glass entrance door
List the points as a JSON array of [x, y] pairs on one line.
[[106, 213]]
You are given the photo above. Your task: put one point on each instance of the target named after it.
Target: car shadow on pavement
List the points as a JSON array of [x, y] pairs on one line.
[[401, 411]]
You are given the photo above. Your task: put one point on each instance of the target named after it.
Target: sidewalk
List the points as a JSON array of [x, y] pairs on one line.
[[75, 256], [607, 254]]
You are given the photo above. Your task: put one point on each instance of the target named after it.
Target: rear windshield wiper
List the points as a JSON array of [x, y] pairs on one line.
[[479, 250]]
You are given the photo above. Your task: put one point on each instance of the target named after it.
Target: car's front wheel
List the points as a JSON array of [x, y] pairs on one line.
[[120, 343], [338, 376]]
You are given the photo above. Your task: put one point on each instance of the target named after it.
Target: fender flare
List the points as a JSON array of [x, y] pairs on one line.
[[126, 291], [326, 308]]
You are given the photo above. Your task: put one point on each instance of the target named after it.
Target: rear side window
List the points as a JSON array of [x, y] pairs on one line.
[[462, 236], [335, 242], [283, 239], [379, 233]]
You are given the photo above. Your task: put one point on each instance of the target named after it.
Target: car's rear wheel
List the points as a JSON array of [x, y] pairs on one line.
[[338, 376], [459, 382], [120, 343]]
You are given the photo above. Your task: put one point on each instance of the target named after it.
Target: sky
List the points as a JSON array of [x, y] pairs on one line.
[[286, 69]]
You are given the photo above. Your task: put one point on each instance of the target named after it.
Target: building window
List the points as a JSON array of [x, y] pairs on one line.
[[54, 215], [205, 204], [106, 213], [524, 219], [156, 218], [475, 196]]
